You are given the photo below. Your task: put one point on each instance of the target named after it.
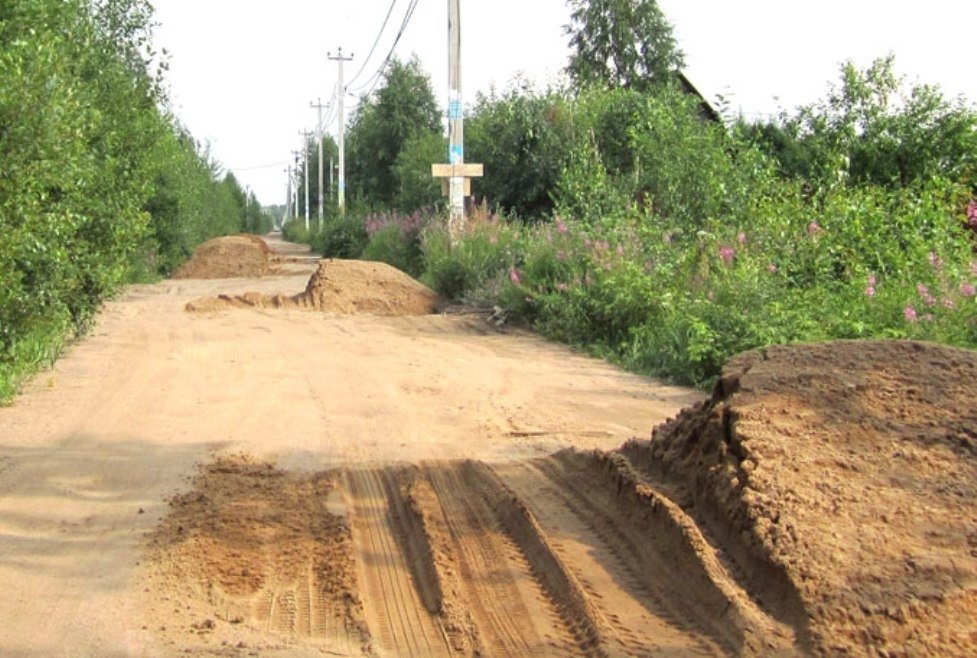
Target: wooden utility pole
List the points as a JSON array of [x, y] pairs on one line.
[[288, 195], [456, 174], [305, 170], [319, 135], [295, 186], [341, 93]]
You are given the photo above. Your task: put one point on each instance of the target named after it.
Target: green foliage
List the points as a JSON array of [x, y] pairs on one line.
[[873, 128], [340, 237], [678, 245], [99, 185], [401, 110], [522, 138], [621, 43], [476, 266], [416, 187]]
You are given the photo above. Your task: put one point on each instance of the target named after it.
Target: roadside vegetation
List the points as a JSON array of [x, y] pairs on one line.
[[616, 216], [99, 183]]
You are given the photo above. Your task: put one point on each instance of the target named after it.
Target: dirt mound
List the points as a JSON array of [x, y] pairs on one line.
[[241, 255], [265, 549], [840, 480], [342, 286]]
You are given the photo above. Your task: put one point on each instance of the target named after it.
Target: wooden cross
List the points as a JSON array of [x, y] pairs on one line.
[[464, 171]]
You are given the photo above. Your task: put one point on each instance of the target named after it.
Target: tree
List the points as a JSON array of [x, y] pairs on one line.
[[872, 128], [621, 43], [401, 110]]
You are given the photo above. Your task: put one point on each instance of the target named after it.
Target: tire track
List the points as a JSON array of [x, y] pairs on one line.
[[509, 608], [665, 549], [398, 619], [628, 617]]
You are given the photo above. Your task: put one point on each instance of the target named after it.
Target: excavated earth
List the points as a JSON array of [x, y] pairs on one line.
[[374, 481], [241, 255], [341, 286], [821, 502]]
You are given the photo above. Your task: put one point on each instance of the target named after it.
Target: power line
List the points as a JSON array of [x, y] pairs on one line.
[[375, 78], [255, 168], [376, 41]]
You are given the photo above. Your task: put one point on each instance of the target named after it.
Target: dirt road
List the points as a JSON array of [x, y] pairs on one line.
[[262, 482]]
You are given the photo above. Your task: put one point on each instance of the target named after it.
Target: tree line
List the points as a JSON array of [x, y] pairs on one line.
[[616, 214], [99, 182]]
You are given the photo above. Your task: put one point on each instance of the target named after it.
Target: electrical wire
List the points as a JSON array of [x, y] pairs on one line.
[[375, 78], [376, 41]]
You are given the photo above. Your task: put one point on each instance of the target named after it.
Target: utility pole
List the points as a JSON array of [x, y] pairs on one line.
[[288, 195], [305, 168], [319, 135], [456, 175], [341, 93], [295, 187]]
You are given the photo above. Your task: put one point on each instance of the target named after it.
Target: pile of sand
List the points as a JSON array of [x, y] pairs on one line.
[[342, 286], [226, 257], [842, 480]]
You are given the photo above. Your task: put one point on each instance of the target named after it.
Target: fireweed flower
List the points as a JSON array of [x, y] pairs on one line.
[[727, 254], [870, 291], [925, 295], [910, 314], [967, 290]]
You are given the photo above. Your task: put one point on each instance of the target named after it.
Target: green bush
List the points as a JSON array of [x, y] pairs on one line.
[[341, 237]]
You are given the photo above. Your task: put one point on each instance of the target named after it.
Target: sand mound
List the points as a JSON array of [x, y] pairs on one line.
[[841, 479], [226, 257], [342, 286]]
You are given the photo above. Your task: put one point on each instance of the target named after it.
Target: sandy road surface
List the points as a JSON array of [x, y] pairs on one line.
[[92, 450]]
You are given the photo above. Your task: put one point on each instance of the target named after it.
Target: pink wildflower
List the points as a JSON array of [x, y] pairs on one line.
[[967, 290], [813, 229], [727, 254], [972, 213], [925, 294], [561, 287], [514, 275], [910, 314], [935, 261], [948, 303], [870, 291], [561, 226], [872, 280]]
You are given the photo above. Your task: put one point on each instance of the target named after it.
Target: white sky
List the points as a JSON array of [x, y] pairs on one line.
[[242, 73]]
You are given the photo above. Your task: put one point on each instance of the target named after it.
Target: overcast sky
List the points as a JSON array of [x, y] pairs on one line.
[[242, 74]]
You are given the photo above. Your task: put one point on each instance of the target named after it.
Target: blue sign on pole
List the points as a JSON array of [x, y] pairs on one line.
[[454, 109], [456, 154]]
